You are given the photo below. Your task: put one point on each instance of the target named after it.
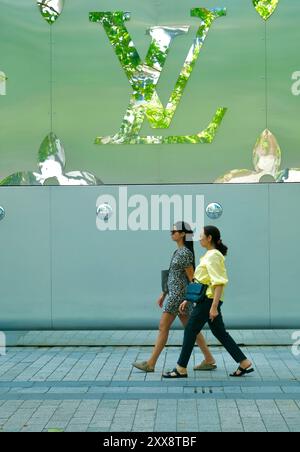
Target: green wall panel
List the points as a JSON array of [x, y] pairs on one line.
[[283, 36], [25, 279], [284, 253], [66, 78], [25, 109]]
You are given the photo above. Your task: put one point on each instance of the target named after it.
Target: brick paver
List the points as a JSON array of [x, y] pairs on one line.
[[96, 389]]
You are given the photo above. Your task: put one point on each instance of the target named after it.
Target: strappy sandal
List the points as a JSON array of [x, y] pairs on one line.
[[174, 374], [240, 372]]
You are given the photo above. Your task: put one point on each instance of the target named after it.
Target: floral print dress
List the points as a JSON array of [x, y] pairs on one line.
[[177, 281]]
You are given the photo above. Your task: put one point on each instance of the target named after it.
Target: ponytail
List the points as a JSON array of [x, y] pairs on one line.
[[222, 248], [216, 238]]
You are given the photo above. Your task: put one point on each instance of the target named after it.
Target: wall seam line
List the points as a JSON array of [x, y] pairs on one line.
[[269, 253], [50, 254]]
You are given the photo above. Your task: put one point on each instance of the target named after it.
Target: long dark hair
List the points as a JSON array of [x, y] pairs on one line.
[[216, 238], [182, 226]]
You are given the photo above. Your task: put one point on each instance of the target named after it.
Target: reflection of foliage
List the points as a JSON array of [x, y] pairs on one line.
[[265, 8], [3, 77], [120, 39], [51, 166], [50, 9], [144, 77], [266, 161]]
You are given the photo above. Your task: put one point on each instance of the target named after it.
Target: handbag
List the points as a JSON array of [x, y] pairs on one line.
[[195, 292], [165, 276], [164, 280]]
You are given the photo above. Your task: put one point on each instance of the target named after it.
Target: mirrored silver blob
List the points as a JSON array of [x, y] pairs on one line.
[[267, 154], [79, 178], [21, 178], [265, 8], [3, 79], [242, 176], [2, 213], [51, 158], [266, 161], [104, 211], [51, 9], [288, 175], [214, 210]]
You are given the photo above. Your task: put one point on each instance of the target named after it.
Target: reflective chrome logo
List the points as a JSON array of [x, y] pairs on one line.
[[144, 77]]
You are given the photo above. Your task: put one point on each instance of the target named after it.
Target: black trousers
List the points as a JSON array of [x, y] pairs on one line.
[[198, 318]]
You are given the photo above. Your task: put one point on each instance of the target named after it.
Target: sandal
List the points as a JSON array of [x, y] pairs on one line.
[[174, 374], [240, 372], [204, 366], [144, 366]]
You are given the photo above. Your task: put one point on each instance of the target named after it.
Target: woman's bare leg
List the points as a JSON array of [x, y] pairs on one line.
[[201, 342], [165, 324]]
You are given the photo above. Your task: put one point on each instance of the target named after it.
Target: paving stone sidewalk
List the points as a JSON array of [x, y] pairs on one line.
[[132, 337], [96, 389]]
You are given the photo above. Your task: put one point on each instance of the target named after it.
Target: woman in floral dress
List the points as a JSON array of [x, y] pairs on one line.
[[180, 274]]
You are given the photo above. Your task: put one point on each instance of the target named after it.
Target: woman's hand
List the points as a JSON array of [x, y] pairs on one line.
[[183, 307], [213, 313], [161, 300]]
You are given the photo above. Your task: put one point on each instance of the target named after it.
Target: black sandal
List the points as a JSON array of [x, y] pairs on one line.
[[171, 374], [242, 372]]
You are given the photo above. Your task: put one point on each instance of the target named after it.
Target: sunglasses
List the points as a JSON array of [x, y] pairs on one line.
[[174, 231]]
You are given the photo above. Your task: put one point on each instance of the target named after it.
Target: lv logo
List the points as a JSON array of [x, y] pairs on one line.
[[144, 77]]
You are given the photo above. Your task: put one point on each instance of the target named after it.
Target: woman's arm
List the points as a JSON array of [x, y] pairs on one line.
[[161, 299], [189, 271], [214, 307]]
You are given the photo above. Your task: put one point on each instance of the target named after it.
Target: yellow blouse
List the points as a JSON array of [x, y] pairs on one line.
[[212, 271]]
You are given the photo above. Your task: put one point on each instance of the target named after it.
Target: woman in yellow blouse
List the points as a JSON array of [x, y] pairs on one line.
[[212, 272], [181, 272]]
